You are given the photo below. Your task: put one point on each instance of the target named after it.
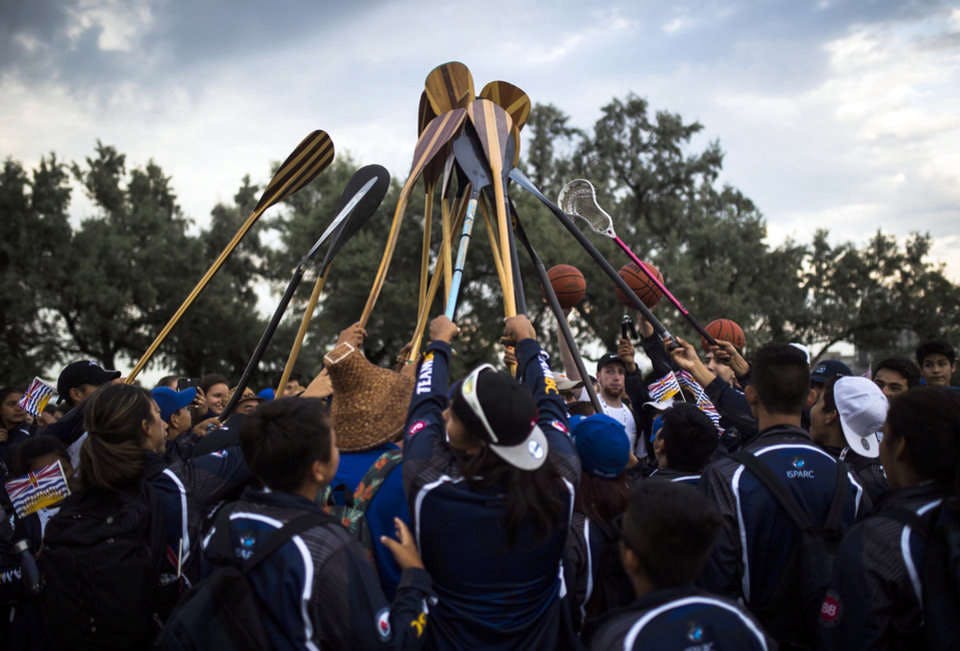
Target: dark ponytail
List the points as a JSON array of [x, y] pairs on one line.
[[113, 455], [928, 419]]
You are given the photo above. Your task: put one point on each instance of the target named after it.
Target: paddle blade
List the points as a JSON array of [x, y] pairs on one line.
[[493, 126], [471, 159], [424, 113], [312, 156], [435, 136], [579, 198], [513, 100], [449, 86], [362, 211]]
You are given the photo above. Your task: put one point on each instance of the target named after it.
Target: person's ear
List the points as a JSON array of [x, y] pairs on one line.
[[831, 417], [76, 395], [318, 472], [900, 452], [750, 393], [631, 564]]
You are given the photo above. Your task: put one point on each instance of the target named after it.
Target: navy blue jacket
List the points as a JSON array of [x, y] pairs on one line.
[[679, 619], [319, 590], [387, 503], [875, 598], [491, 595], [669, 474], [758, 538]]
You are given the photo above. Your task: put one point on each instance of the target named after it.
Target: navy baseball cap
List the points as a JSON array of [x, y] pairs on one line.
[[603, 445], [829, 369], [76, 374], [608, 359], [170, 401]]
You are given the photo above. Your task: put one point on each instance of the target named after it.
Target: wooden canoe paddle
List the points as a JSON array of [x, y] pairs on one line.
[[312, 156], [435, 136]]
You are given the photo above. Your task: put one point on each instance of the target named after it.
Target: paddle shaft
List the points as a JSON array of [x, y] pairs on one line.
[[465, 235], [302, 331], [557, 310]]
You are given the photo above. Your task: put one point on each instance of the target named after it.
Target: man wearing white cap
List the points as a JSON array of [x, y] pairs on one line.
[[846, 421]]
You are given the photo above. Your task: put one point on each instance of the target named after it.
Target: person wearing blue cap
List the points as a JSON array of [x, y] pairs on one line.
[[591, 559], [175, 413]]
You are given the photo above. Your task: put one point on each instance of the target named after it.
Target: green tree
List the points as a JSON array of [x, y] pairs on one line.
[[34, 214]]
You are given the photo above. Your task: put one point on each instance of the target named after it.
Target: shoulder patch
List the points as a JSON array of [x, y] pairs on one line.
[[557, 424], [383, 624], [416, 427], [831, 609]]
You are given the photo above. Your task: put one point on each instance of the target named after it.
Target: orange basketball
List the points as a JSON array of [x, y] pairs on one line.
[[638, 281], [568, 284], [727, 330]]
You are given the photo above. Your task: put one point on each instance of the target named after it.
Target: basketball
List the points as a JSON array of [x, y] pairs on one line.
[[639, 282], [568, 284], [727, 330]]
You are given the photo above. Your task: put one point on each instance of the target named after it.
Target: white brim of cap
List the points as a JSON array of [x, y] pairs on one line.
[[865, 446], [659, 405], [528, 455]]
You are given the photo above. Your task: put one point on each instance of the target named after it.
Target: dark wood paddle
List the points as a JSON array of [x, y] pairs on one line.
[[312, 156], [435, 136], [493, 126]]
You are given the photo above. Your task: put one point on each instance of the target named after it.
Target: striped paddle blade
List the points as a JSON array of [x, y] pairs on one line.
[[512, 99], [424, 113], [312, 156], [449, 86]]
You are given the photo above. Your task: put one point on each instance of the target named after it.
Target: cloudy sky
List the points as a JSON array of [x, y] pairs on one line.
[[843, 115]]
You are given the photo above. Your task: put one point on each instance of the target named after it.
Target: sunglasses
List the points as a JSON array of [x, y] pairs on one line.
[[468, 389]]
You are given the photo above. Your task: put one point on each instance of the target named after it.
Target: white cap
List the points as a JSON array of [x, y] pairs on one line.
[[863, 410]]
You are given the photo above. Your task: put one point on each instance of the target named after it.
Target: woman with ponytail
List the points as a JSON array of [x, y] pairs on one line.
[[489, 471], [893, 587], [121, 549]]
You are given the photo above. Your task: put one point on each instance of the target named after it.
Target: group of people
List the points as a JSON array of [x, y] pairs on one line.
[[719, 501]]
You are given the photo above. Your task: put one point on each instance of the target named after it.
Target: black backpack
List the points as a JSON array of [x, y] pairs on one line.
[[940, 572], [222, 611], [101, 563], [792, 613], [352, 514]]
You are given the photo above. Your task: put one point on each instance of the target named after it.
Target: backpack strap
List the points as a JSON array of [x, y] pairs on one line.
[[222, 550], [373, 479], [786, 499], [282, 535], [783, 496]]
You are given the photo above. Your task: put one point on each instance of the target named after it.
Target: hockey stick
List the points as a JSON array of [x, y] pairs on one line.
[[312, 156]]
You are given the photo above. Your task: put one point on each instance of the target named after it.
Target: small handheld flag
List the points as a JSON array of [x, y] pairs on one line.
[[36, 397], [38, 490]]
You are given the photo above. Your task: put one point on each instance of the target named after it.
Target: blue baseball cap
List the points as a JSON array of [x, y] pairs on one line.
[[170, 401], [266, 394], [603, 445]]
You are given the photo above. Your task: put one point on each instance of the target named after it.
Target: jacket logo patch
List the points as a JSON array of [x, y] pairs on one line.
[[416, 427], [558, 425], [383, 624], [799, 470], [425, 377], [830, 609]]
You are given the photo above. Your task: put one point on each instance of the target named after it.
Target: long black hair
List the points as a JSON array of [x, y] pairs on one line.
[[530, 496]]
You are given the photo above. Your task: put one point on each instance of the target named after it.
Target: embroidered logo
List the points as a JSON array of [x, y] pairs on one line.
[[831, 609], [415, 428], [799, 470], [383, 624]]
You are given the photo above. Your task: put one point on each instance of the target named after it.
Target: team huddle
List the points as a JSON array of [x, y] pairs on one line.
[[718, 501]]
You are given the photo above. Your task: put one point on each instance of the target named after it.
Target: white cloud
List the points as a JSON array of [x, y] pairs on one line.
[[120, 23]]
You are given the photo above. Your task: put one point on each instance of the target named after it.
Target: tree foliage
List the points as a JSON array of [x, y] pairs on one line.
[[104, 287]]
